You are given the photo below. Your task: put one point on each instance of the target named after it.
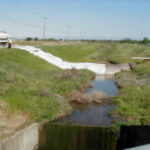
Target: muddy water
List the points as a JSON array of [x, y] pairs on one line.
[[91, 114]]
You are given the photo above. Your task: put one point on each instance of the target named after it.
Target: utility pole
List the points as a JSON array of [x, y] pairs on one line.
[[80, 36], [44, 28], [68, 30]]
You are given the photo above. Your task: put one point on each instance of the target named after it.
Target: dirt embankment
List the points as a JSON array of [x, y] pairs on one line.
[[9, 123], [127, 78]]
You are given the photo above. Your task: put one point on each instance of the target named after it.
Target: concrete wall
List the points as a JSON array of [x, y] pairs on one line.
[[113, 69], [26, 139]]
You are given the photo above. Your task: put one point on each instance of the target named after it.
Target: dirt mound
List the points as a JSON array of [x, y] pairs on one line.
[[94, 97]]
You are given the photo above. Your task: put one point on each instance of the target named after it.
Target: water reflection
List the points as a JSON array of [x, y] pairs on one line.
[[105, 84], [90, 114]]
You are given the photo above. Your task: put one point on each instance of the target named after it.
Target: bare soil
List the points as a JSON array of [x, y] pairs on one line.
[[10, 122]]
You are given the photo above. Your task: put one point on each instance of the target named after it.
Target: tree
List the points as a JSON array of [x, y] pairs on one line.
[[51, 39], [145, 40], [126, 40], [28, 39], [36, 39]]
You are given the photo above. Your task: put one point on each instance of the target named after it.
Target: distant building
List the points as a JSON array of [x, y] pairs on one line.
[[4, 38]]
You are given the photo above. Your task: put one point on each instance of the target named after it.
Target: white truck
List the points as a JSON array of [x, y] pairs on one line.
[[4, 37]]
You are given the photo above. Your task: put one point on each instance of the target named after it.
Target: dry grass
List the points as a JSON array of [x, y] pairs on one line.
[[98, 96], [94, 97], [69, 74], [45, 92]]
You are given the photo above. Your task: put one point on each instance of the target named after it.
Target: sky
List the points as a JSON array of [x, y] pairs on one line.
[[88, 19]]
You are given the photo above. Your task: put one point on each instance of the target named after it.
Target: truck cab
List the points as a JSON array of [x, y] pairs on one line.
[[4, 38]]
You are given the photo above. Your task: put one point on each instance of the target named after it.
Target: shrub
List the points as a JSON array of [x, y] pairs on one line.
[[29, 39], [94, 97]]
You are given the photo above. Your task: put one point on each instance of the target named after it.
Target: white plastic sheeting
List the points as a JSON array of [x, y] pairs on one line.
[[96, 68]]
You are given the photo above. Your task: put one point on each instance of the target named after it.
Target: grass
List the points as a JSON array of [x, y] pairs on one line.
[[73, 53], [99, 52], [31, 85], [35, 87], [143, 69], [133, 103]]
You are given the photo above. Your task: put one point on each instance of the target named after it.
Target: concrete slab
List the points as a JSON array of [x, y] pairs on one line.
[[26, 139]]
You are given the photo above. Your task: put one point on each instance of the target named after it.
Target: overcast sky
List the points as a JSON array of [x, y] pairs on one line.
[[99, 19]]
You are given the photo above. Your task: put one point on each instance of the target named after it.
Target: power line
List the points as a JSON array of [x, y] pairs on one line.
[[28, 24], [20, 22]]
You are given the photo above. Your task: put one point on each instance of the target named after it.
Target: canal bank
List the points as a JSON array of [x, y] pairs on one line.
[[29, 137], [88, 127]]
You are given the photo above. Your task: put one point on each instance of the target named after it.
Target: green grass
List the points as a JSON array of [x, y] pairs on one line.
[[31, 85], [133, 103], [73, 53], [143, 68], [99, 52]]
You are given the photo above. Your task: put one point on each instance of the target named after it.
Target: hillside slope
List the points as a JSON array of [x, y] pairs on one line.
[[33, 88], [99, 52]]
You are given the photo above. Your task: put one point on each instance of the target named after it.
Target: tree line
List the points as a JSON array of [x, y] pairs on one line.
[[126, 40]]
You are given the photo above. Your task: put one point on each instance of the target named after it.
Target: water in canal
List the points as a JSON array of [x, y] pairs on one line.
[[87, 128], [92, 114]]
